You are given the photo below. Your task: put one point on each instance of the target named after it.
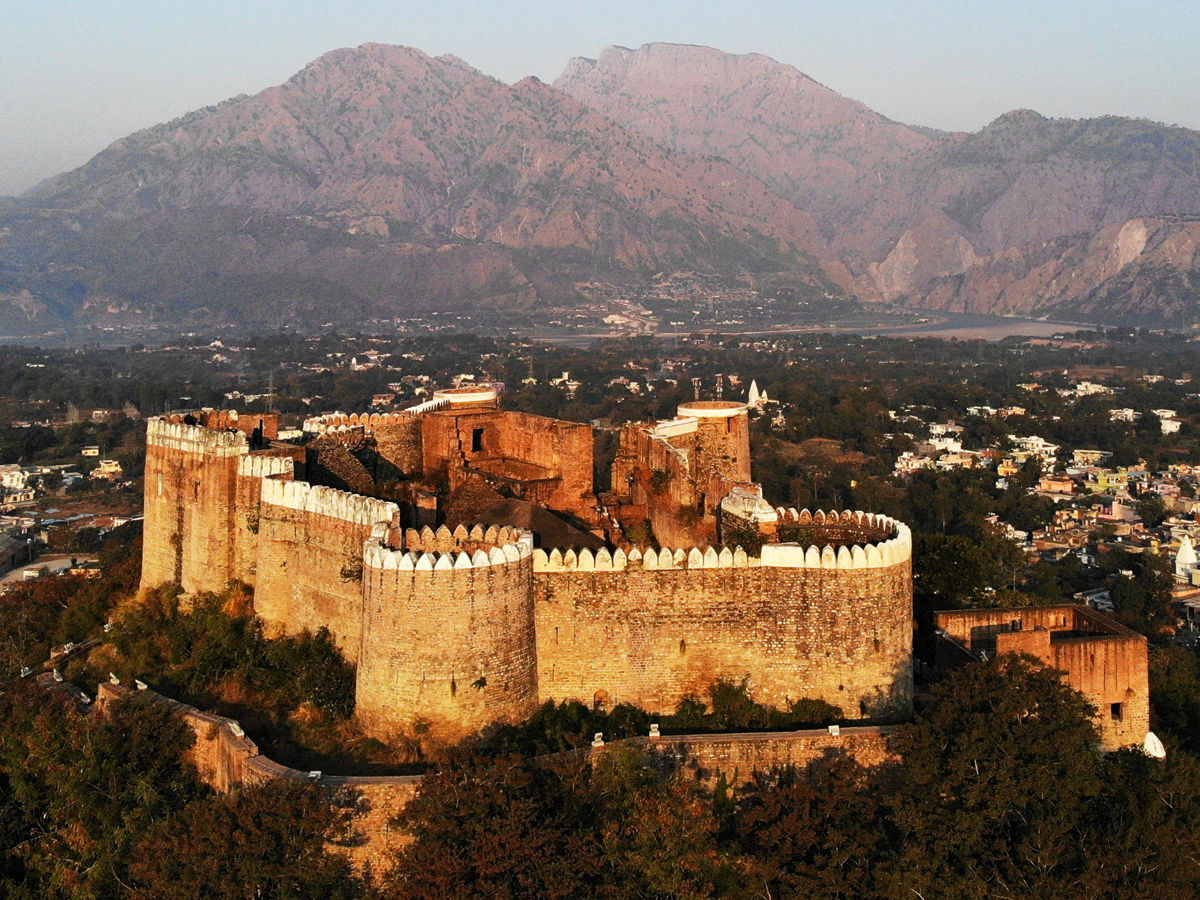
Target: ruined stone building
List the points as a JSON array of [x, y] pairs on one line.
[[475, 620], [1098, 656]]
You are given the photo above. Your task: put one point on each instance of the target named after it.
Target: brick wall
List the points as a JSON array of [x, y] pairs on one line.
[[1099, 657], [189, 504], [564, 450], [740, 756], [247, 502], [399, 442]]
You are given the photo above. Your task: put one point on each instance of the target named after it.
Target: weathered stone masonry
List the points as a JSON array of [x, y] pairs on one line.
[[226, 760], [451, 631]]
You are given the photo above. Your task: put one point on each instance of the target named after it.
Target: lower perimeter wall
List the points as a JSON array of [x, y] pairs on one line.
[[226, 759]]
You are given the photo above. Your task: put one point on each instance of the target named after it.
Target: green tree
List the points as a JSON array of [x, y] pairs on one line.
[[822, 836], [265, 842], [1001, 775], [80, 790], [499, 828]]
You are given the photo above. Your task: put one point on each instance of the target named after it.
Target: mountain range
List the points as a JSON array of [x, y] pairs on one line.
[[380, 183]]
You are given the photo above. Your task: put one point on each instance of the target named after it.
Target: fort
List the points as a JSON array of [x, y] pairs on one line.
[[459, 556]]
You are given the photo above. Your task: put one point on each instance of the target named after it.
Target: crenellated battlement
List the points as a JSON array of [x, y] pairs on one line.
[[178, 435], [325, 501], [258, 466], [443, 550], [444, 540], [338, 421], [893, 547]]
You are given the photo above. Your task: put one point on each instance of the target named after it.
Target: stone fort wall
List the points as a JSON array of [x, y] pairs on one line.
[[309, 561], [227, 760], [456, 630], [798, 623], [448, 633], [1097, 656], [190, 497]]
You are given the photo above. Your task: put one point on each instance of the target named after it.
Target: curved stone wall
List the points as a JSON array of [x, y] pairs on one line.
[[797, 622], [448, 633]]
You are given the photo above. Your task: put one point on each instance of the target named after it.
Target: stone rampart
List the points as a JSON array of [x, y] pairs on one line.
[[642, 455], [252, 470], [652, 628], [226, 760], [309, 565], [740, 756], [448, 633], [189, 503]]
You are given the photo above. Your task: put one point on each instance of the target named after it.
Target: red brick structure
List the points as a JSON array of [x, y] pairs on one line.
[[545, 461], [1098, 656]]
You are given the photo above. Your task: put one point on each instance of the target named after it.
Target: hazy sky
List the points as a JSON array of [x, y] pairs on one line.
[[75, 76]]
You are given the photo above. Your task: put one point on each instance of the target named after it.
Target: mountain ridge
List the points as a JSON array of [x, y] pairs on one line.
[[913, 211], [450, 172], [380, 182]]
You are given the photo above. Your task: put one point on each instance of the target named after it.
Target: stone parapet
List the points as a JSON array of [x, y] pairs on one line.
[[195, 438], [323, 501], [893, 551], [261, 466]]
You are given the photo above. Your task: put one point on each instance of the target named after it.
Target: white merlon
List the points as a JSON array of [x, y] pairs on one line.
[[195, 438], [783, 556], [324, 501], [380, 557], [255, 466]]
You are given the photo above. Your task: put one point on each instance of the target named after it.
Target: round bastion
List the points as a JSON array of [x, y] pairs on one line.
[[711, 409], [481, 395], [449, 641]]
